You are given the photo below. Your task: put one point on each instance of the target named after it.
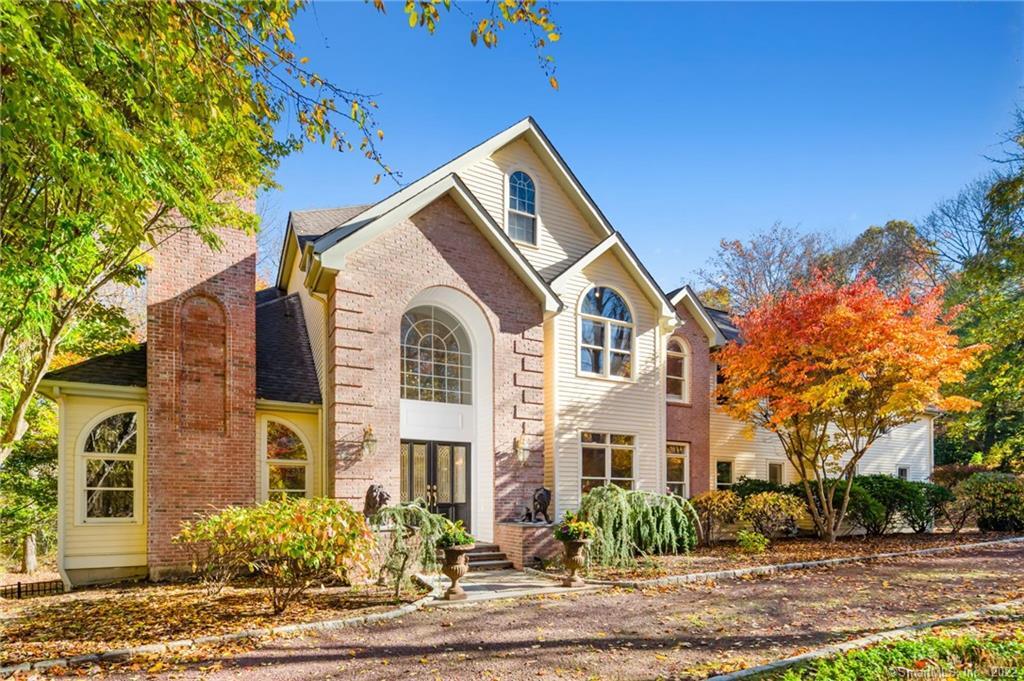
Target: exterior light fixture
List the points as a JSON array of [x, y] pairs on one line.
[[369, 441], [521, 450]]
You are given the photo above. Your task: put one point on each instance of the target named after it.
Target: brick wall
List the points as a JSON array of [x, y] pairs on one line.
[[438, 246], [692, 422], [201, 359]]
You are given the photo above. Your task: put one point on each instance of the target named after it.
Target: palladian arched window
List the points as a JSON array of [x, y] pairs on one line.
[[522, 208], [286, 464], [606, 334], [677, 369], [110, 469], [436, 357]]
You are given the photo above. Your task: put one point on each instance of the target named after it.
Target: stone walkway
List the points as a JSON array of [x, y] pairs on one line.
[[489, 585]]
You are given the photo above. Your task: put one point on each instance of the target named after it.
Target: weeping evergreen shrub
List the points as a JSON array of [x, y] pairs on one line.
[[409, 536], [633, 523]]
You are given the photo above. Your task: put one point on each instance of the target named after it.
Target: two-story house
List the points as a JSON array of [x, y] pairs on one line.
[[483, 332]]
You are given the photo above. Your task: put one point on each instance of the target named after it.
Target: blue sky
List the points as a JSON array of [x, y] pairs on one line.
[[690, 122]]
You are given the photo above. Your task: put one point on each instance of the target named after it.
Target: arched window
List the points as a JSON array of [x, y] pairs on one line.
[[109, 464], [436, 357], [286, 462], [522, 208], [677, 371], [606, 334]]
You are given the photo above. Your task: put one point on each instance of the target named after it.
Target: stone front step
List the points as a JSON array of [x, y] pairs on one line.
[[481, 565], [487, 556]]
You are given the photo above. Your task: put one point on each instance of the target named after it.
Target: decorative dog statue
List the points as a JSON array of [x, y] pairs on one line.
[[376, 499], [541, 501]]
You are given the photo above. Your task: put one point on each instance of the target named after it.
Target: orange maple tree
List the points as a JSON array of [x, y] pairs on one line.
[[830, 368]]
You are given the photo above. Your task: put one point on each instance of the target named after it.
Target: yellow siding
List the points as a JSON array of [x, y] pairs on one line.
[[314, 314], [586, 403], [563, 236], [308, 426], [909, 445], [96, 545]]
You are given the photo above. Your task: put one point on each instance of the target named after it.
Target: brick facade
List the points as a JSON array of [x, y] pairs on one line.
[[438, 246], [692, 422], [201, 371]]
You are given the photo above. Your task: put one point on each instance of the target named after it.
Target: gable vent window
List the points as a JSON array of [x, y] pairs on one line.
[[522, 208]]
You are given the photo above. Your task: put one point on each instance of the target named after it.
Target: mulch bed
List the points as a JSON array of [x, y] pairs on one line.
[[727, 556], [98, 619]]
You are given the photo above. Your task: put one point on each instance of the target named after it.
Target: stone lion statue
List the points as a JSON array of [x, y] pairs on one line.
[[376, 499]]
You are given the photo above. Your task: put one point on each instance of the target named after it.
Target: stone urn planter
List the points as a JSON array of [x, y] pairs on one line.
[[455, 567], [574, 560]]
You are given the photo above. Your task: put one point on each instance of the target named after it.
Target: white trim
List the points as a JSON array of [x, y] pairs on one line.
[[52, 388], [776, 462], [686, 399], [138, 460], [106, 560], [451, 185], [607, 349], [704, 320], [278, 405], [506, 209], [62, 456], [714, 471], [903, 467], [686, 465], [477, 419], [264, 463], [614, 242]]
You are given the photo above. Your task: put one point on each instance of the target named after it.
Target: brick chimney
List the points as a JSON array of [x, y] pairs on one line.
[[201, 365]]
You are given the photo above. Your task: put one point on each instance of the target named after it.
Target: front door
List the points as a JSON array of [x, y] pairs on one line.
[[438, 473]]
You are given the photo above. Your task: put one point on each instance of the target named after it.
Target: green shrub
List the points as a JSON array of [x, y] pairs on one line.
[[862, 510], [408, 537], [635, 522], [999, 500], [891, 493], [715, 508], [573, 529], [289, 544], [752, 542], [453, 535], [772, 513], [748, 487], [920, 508], [939, 656]]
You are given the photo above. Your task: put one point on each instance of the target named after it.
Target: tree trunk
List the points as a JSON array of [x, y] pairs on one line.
[[29, 564]]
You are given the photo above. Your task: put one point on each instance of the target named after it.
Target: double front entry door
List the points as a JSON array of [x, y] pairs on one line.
[[438, 473]]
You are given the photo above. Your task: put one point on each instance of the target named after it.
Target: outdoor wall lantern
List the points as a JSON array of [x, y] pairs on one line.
[[521, 450], [369, 441]]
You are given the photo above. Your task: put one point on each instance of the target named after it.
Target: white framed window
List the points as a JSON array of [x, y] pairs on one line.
[[677, 468], [436, 357], [606, 335], [724, 473], [110, 471], [522, 208], [903, 472], [776, 472], [607, 458], [286, 469], [677, 371]]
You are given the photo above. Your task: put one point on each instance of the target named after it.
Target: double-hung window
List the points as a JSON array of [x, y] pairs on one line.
[[522, 208], [677, 468], [677, 366], [606, 334], [607, 459], [110, 469], [723, 474]]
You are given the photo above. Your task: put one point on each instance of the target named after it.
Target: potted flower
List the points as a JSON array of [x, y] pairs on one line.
[[456, 543], [575, 535]]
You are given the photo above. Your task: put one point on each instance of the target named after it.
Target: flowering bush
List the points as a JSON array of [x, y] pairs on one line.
[[772, 513], [289, 544], [574, 529], [752, 542], [715, 508]]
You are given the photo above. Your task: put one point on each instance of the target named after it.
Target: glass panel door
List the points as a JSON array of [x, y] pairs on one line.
[[437, 473]]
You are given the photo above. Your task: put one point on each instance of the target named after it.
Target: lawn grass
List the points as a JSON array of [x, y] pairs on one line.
[[991, 650]]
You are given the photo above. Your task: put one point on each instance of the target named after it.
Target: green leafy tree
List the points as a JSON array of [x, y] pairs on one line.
[[123, 123]]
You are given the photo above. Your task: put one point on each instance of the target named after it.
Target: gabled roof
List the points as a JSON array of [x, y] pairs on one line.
[[708, 323], [352, 236], [724, 321], [310, 225], [526, 129], [284, 362], [615, 243]]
